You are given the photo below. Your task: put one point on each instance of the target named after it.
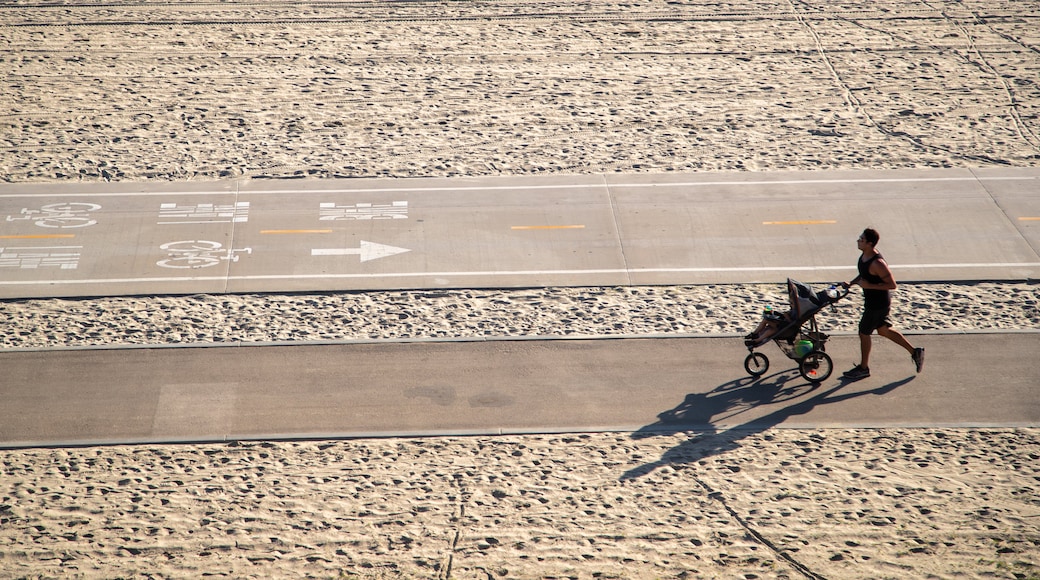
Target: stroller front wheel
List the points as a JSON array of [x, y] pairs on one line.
[[756, 364], [816, 366]]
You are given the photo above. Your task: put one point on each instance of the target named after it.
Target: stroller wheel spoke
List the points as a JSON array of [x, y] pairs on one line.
[[816, 367], [756, 364]]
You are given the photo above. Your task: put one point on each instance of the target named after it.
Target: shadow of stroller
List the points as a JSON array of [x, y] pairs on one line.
[[702, 412]]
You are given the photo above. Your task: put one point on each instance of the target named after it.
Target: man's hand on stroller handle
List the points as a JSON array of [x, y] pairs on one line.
[[834, 294], [853, 282]]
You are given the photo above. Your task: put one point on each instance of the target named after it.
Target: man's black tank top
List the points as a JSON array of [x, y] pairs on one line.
[[873, 299]]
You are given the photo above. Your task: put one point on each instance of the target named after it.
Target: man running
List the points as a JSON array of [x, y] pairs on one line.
[[877, 282]]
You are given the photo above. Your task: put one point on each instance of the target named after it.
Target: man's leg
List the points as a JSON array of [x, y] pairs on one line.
[[866, 328], [861, 371], [896, 337], [916, 354], [865, 342]]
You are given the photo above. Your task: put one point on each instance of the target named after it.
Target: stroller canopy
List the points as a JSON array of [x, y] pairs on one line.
[[804, 302]]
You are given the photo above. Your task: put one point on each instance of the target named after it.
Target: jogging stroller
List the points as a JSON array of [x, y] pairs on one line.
[[796, 333]]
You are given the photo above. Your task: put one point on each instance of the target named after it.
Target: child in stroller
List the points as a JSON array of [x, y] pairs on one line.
[[770, 326], [795, 332]]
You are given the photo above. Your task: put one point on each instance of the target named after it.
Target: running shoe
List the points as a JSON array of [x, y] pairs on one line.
[[856, 373], [918, 358]]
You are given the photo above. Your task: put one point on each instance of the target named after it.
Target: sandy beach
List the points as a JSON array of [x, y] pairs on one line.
[[723, 310], [94, 92], [778, 504], [399, 89]]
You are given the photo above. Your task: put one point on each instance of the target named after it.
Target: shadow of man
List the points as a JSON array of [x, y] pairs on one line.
[[702, 413]]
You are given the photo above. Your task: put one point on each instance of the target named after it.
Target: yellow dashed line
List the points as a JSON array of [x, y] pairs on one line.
[[295, 231], [572, 227], [800, 223], [37, 237]]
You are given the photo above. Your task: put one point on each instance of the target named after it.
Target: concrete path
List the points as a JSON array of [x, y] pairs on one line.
[[253, 236], [496, 387], [274, 236]]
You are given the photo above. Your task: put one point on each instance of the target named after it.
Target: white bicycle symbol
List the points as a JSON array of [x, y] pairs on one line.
[[197, 254], [60, 215]]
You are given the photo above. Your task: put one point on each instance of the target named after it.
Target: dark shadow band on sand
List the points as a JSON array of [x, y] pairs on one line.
[[702, 413]]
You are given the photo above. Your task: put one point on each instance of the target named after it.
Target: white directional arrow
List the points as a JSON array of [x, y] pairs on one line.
[[367, 251]]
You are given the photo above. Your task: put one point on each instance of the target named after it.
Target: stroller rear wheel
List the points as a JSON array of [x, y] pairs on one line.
[[816, 366], [756, 364]]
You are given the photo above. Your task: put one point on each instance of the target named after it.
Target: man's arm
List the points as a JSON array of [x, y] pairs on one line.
[[880, 269]]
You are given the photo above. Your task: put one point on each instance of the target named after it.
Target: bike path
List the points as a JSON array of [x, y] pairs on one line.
[[84, 239], [499, 387]]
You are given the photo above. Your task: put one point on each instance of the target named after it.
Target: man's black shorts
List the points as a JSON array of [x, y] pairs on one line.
[[874, 319]]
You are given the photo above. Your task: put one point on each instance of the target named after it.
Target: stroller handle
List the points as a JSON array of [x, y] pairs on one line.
[[837, 291]]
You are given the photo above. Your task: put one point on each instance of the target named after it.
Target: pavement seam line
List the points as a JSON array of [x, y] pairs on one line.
[[617, 229], [1010, 220]]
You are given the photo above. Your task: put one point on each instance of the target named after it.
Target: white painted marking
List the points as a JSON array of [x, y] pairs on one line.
[[368, 251], [204, 213], [490, 273], [600, 185], [59, 215], [651, 185], [329, 211], [34, 258], [197, 254]]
